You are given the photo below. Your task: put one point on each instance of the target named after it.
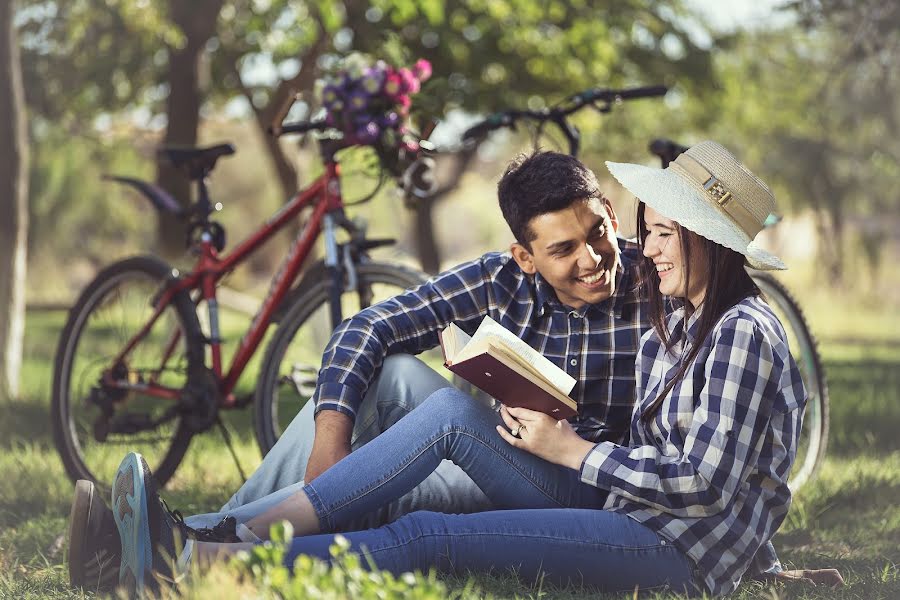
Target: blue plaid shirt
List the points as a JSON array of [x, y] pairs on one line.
[[595, 344], [709, 473]]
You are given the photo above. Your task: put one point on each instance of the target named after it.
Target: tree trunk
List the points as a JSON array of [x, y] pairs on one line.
[[197, 21], [426, 245], [13, 205], [279, 103]]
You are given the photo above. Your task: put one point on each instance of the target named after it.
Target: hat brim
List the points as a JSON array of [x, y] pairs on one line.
[[674, 198]]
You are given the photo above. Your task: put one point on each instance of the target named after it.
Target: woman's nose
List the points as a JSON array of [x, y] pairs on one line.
[[650, 248]]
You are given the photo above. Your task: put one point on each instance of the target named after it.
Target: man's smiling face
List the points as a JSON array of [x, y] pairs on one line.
[[575, 250]]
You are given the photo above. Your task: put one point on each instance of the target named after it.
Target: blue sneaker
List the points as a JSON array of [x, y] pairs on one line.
[[151, 535]]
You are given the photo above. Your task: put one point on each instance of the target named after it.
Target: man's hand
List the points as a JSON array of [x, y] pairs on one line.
[[542, 435], [331, 443]]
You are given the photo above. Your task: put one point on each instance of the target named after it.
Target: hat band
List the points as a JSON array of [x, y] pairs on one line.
[[688, 166]]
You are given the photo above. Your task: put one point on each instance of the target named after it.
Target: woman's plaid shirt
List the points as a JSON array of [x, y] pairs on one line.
[[710, 472], [596, 344]]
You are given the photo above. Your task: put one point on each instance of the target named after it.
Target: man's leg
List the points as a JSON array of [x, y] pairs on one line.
[[404, 383]]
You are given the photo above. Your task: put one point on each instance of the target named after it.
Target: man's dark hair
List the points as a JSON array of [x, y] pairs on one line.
[[540, 183]]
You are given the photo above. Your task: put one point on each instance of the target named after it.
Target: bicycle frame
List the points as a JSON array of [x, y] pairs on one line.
[[325, 195]]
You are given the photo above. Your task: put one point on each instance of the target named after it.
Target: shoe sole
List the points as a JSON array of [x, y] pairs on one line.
[[79, 517], [129, 505]]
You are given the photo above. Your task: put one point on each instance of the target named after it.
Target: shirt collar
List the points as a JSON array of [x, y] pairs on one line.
[[677, 323]]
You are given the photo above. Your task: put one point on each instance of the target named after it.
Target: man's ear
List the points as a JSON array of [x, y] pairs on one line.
[[523, 258], [612, 214]]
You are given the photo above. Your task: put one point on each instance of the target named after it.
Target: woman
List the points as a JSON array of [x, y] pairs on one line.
[[702, 485]]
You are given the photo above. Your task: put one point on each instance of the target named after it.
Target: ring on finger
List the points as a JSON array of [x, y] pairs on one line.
[[515, 430]]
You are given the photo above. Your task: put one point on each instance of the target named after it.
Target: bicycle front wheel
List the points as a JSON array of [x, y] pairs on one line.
[[814, 433], [290, 368], [101, 406]]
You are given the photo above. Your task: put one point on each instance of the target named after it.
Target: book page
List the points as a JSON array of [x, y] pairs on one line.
[[453, 340], [490, 332]]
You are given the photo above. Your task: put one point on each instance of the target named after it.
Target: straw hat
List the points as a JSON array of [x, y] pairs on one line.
[[707, 191]]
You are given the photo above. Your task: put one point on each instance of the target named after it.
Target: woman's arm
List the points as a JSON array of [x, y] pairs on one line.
[[723, 443]]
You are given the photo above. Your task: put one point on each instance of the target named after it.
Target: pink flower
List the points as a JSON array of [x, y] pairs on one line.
[[422, 69], [409, 85], [393, 84]]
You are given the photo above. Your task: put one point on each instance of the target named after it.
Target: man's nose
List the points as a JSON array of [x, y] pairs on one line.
[[589, 258]]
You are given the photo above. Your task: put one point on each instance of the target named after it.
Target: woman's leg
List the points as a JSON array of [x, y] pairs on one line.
[[449, 425], [568, 546]]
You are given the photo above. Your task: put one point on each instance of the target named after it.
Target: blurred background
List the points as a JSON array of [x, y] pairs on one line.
[[805, 92]]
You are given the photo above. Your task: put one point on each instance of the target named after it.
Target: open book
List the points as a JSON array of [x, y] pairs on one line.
[[508, 369]]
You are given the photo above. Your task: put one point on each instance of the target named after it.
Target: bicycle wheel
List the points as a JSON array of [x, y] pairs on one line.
[[98, 409], [287, 377], [814, 433]]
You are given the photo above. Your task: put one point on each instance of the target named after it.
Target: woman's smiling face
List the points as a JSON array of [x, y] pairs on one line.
[[663, 246]]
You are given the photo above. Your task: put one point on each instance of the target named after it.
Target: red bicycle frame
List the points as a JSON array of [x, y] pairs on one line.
[[325, 195]]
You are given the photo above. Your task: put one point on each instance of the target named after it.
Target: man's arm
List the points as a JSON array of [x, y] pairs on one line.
[[407, 323], [331, 443]]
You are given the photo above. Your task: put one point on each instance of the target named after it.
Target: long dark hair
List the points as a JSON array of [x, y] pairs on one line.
[[727, 284]]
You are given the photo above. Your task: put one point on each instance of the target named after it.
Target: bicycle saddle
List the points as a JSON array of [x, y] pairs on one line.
[[198, 162]]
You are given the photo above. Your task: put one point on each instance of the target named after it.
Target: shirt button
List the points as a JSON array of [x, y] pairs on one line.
[[573, 362], [662, 542]]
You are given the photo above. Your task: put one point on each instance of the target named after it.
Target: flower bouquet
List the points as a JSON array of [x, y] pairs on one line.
[[369, 101]]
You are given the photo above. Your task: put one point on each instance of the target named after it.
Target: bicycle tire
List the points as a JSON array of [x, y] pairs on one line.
[[310, 306], [75, 364], [804, 349]]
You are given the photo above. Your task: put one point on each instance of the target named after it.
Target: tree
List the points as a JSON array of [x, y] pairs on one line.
[[487, 55], [196, 21], [13, 205]]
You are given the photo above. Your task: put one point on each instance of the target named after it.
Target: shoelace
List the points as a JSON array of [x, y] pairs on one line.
[[223, 531]]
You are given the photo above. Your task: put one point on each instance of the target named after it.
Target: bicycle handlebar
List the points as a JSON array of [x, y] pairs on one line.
[[299, 127], [558, 114]]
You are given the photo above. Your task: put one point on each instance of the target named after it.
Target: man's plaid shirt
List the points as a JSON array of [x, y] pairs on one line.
[[595, 344], [709, 473]]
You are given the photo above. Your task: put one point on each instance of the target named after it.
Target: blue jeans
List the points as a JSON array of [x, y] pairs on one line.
[[403, 383], [588, 546]]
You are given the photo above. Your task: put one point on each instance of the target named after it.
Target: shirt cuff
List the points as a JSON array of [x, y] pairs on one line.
[[597, 466], [339, 397]]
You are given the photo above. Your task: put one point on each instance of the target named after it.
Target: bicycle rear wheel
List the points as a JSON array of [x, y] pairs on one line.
[[288, 374], [99, 408], [814, 433]]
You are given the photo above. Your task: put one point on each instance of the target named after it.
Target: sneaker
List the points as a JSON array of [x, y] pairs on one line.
[[94, 546], [146, 533]]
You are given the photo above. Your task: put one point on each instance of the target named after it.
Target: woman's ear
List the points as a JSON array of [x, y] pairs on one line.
[[612, 214], [523, 258]]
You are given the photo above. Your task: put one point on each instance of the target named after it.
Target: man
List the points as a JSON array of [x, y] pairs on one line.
[[567, 288]]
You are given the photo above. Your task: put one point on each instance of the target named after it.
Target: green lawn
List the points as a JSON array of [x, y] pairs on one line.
[[849, 517]]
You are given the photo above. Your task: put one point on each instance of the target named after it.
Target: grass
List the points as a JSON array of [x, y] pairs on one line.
[[848, 517]]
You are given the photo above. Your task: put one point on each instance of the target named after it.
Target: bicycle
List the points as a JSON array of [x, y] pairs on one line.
[[132, 372], [814, 436]]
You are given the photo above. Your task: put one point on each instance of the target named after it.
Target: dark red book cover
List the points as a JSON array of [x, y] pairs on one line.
[[510, 387]]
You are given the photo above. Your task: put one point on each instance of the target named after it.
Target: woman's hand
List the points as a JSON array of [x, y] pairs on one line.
[[542, 435]]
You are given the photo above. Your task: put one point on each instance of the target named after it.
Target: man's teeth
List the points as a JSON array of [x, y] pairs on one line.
[[664, 267], [592, 278]]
